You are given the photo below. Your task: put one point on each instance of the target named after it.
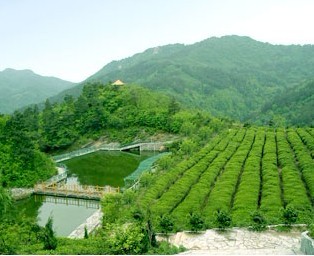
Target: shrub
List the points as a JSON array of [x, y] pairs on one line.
[[196, 222], [258, 221], [49, 238], [289, 215], [166, 224], [223, 220]]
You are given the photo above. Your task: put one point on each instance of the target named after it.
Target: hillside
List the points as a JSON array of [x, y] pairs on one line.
[[229, 76], [243, 173], [19, 88], [293, 106]]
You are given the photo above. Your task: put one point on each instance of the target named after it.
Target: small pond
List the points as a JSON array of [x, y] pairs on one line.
[[99, 168]]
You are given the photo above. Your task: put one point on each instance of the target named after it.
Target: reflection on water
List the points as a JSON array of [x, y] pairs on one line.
[[67, 213], [93, 204]]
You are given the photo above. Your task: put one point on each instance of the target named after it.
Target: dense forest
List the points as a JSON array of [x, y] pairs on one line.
[[231, 76], [294, 106], [116, 113]]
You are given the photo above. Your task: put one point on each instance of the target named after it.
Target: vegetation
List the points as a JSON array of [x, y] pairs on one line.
[[20, 88], [214, 178], [48, 236], [230, 76], [257, 170], [115, 113]]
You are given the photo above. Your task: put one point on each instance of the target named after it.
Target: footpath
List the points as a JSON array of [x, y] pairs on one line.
[[239, 242]]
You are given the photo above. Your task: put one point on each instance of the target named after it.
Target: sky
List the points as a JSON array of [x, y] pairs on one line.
[[73, 39]]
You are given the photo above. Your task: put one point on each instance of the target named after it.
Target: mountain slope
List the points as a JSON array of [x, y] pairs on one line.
[[19, 88], [293, 107], [229, 76]]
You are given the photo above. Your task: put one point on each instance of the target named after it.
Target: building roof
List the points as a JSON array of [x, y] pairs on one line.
[[118, 82]]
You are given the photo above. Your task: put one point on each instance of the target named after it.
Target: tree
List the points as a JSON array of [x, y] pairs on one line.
[[127, 239], [5, 201], [196, 222], [49, 238], [85, 233], [166, 224]]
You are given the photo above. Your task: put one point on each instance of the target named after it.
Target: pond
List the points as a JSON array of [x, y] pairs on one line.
[[103, 167], [100, 168]]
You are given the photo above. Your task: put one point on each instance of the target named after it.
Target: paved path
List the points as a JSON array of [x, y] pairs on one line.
[[239, 242]]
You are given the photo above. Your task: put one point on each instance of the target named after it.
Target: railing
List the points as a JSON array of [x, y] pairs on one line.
[[74, 190], [56, 178], [107, 147]]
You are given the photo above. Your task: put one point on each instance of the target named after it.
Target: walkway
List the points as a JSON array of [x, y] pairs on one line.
[[74, 190], [141, 146], [239, 242]]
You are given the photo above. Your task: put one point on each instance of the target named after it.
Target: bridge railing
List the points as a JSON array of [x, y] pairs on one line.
[[79, 191], [84, 151], [57, 178]]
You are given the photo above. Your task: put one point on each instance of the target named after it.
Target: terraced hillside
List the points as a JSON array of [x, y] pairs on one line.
[[240, 171]]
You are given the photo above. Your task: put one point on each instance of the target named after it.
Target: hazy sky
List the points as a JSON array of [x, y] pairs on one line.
[[72, 39]]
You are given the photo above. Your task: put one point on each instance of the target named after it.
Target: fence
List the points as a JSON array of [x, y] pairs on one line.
[[144, 166]]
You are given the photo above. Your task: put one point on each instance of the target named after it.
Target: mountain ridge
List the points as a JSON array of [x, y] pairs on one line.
[[19, 88], [230, 76]]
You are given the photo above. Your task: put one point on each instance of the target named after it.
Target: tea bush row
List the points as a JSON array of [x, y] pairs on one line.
[[195, 199], [246, 198], [167, 179], [270, 203], [294, 191], [307, 139], [179, 190], [306, 163], [223, 191]]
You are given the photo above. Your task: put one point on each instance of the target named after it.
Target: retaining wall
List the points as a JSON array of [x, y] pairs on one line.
[[307, 244]]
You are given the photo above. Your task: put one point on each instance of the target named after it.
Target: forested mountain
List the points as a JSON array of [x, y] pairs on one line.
[[19, 88], [293, 106], [116, 113], [230, 76]]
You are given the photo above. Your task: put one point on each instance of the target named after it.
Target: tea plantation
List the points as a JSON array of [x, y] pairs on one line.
[[240, 172]]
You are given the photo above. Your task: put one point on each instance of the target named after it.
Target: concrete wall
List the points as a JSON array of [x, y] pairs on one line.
[[307, 244]]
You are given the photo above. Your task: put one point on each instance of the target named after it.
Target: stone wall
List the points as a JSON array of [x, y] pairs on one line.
[[21, 193]]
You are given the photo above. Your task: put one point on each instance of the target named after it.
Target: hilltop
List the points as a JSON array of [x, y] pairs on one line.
[[19, 88], [231, 76]]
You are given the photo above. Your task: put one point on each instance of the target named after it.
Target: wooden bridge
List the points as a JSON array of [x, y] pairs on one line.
[[73, 190]]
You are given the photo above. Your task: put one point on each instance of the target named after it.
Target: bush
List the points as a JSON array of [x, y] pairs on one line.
[[289, 215], [259, 222], [196, 222], [166, 224], [223, 220]]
